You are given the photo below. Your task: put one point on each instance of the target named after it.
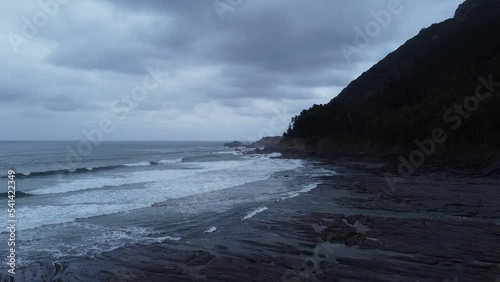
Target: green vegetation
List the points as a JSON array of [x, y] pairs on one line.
[[404, 96]]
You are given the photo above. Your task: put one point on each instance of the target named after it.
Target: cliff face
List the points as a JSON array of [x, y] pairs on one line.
[[409, 93]]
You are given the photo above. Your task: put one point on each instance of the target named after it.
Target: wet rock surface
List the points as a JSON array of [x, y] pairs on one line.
[[353, 227]]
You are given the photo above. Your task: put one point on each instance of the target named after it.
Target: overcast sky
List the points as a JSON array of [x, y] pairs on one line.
[[238, 69]]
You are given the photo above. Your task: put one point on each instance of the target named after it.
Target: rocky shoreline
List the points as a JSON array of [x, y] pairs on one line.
[[352, 227]]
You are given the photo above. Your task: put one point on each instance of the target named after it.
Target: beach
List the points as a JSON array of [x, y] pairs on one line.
[[349, 227]]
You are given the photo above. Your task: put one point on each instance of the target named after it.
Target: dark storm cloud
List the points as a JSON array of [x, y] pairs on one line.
[[264, 55], [285, 37], [299, 37]]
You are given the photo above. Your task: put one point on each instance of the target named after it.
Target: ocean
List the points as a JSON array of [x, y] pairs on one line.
[[125, 193]]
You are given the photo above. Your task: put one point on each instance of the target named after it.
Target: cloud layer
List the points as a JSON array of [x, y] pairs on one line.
[[237, 69]]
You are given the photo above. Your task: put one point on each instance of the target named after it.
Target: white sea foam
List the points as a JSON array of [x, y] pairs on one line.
[[254, 212], [138, 164], [228, 153], [308, 187], [274, 155], [93, 239], [304, 189], [211, 229], [113, 180], [323, 172], [179, 160], [290, 195], [144, 188]]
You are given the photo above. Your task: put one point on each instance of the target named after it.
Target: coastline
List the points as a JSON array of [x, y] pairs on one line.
[[351, 227]]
